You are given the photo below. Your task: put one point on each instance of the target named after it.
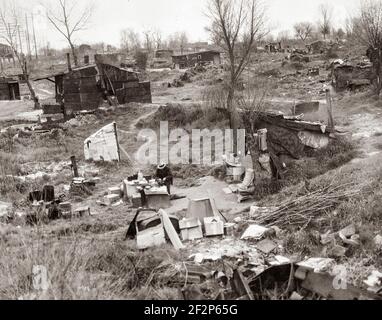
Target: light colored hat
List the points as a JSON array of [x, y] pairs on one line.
[[162, 166]]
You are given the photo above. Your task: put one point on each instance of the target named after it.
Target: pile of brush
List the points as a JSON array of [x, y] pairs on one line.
[[300, 210]]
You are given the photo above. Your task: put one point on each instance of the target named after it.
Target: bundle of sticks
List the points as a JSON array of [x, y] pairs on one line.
[[301, 210]]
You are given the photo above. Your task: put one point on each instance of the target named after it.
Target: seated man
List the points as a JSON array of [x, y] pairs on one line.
[[164, 176]]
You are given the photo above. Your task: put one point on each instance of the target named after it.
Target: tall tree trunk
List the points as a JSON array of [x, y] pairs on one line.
[[379, 72], [234, 116], [75, 58], [24, 68], [33, 95]]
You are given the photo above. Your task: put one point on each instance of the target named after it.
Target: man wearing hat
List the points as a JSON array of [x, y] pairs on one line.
[[164, 176]]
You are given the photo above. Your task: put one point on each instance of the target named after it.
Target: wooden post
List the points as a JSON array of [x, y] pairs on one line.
[[116, 138], [34, 38], [13, 95], [21, 44], [28, 38], [330, 110], [74, 165]]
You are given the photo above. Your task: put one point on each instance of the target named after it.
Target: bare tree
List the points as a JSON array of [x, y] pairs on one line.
[[283, 36], [10, 24], [178, 40], [125, 43], [148, 40], [367, 29], [340, 33], [130, 40], [325, 24], [157, 39], [69, 19], [303, 30], [183, 41], [238, 25]]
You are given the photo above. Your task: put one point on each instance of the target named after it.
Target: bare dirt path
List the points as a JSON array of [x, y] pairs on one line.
[[18, 110]]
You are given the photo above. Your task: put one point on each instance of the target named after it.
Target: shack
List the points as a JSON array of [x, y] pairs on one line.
[[76, 89], [322, 46], [9, 89], [351, 76], [292, 136], [273, 47], [190, 60], [85, 88]]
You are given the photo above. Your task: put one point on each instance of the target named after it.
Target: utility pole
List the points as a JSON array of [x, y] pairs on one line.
[[21, 44], [34, 38], [28, 39]]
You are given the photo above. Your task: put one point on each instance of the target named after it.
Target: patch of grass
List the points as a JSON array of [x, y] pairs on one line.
[[338, 153], [89, 270], [189, 117]]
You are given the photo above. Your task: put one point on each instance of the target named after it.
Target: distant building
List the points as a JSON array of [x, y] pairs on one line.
[[164, 54], [322, 46], [189, 60], [273, 47]]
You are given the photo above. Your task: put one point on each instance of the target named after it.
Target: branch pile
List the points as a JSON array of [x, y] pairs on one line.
[[301, 210]]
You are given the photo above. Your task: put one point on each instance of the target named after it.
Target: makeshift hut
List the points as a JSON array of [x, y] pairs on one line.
[[291, 136], [9, 89]]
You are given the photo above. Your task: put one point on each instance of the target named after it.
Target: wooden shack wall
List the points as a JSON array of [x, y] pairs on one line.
[[81, 91], [190, 60], [125, 84], [140, 93]]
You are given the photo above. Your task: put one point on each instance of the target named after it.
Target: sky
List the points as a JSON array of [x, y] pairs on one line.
[[169, 16]]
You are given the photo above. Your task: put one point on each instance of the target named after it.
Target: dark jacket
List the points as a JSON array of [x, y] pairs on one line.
[[165, 173]]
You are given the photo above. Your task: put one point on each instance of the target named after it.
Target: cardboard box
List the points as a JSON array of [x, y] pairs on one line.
[[111, 199], [214, 226], [191, 229]]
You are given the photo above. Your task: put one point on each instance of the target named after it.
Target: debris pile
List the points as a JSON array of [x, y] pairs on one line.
[[303, 209]]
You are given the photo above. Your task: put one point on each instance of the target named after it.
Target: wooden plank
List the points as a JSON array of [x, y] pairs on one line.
[[171, 232], [241, 286], [291, 124]]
